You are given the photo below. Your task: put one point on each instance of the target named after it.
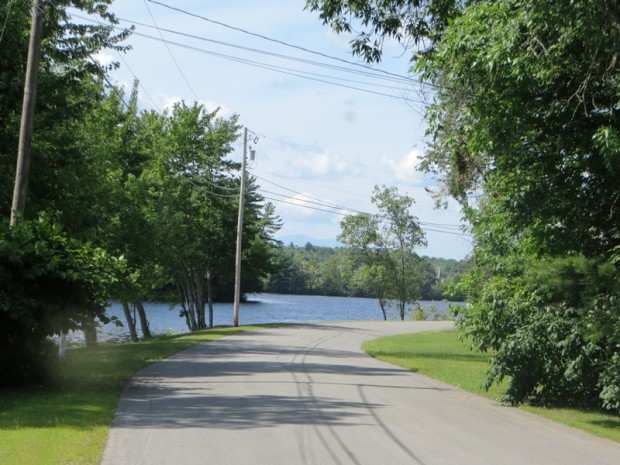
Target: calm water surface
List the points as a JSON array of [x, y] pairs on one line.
[[265, 308]]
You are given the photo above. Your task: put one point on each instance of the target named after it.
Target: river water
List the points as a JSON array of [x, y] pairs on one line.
[[265, 308]]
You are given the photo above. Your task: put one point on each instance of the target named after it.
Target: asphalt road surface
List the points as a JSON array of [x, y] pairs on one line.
[[309, 395]]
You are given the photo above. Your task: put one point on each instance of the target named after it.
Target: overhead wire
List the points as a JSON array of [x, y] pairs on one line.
[[189, 86], [441, 225], [325, 79], [283, 70], [281, 42], [271, 67], [315, 200], [344, 214], [290, 202], [340, 210], [370, 72]]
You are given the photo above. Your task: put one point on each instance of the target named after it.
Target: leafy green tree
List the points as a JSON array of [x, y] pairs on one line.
[[113, 137], [526, 116], [190, 204], [387, 244]]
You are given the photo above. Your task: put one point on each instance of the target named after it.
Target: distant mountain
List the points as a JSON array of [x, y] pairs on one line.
[[301, 240]]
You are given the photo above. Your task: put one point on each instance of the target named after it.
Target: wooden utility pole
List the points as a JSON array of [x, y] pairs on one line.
[[25, 131], [239, 233]]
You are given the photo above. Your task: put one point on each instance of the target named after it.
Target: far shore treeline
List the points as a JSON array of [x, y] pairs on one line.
[[318, 270]]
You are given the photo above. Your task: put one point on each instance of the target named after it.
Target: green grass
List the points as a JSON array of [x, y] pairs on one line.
[[440, 355], [68, 424]]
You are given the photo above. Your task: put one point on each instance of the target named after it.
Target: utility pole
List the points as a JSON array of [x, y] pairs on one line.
[[239, 233], [25, 131]]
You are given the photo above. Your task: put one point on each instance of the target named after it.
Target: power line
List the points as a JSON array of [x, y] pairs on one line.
[[328, 207], [279, 69], [170, 52], [204, 189], [443, 228], [306, 206], [315, 184], [340, 213], [281, 42], [370, 72], [325, 79], [313, 202]]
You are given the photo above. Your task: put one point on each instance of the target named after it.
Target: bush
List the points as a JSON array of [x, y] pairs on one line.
[[51, 283], [555, 324]]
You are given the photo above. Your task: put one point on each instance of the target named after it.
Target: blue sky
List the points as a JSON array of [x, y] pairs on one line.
[[316, 142]]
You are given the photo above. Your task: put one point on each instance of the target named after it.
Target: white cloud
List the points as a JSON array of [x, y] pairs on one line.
[[168, 101], [322, 165], [405, 168], [211, 105], [104, 59]]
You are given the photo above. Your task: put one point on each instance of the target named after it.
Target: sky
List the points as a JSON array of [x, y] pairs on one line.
[[322, 127]]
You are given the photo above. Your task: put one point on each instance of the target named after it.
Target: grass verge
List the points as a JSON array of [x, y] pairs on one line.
[[440, 355], [68, 424]]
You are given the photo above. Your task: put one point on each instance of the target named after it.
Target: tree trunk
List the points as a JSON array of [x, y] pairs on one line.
[[62, 347], [144, 322], [210, 299], [131, 324], [189, 303], [199, 299], [382, 305], [90, 333], [184, 310]]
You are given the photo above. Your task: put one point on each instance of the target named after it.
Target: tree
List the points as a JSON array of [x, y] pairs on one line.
[[386, 245], [526, 116], [190, 203], [114, 139]]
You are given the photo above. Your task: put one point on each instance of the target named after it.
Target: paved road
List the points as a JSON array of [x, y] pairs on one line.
[[308, 395]]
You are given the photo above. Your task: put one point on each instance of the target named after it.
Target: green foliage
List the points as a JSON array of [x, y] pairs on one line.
[[189, 198], [554, 326], [69, 87], [524, 131], [418, 23], [315, 270], [386, 245], [51, 283], [154, 188]]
